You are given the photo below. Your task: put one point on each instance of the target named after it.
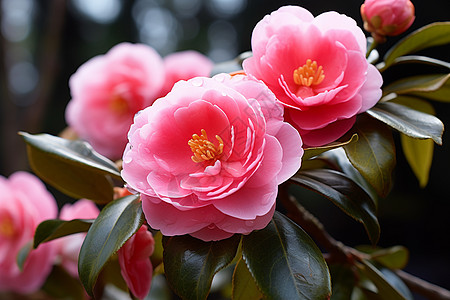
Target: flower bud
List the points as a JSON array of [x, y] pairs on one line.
[[387, 17]]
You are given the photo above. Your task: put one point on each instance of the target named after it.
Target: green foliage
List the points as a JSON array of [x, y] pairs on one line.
[[190, 264], [434, 34], [346, 194], [115, 224], [374, 154], [61, 285], [431, 86], [285, 262], [72, 167], [244, 286], [408, 121], [23, 254], [315, 151], [52, 229]]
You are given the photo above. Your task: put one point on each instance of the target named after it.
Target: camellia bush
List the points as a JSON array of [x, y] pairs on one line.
[[186, 171]]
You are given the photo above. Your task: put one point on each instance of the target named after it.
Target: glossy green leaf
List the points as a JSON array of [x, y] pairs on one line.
[[424, 84], [244, 286], [52, 229], [190, 264], [431, 35], [314, 151], [393, 258], [62, 285], [374, 154], [408, 121], [385, 289], [23, 253], [419, 59], [115, 224], [396, 282], [343, 281], [72, 167], [345, 194], [285, 262]]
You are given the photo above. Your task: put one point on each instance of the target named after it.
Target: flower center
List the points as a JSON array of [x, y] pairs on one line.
[[6, 227], [203, 149], [118, 104], [309, 74]]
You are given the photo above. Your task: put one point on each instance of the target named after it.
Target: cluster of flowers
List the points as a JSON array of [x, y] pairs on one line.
[[205, 153]]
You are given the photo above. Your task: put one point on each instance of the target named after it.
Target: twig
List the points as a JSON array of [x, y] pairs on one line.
[[422, 287]]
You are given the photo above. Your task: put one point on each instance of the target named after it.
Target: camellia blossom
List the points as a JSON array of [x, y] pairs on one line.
[[208, 157], [108, 90], [135, 265], [184, 65], [317, 69], [69, 246], [387, 17], [24, 203]]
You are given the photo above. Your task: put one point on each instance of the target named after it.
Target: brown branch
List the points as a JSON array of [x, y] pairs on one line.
[[341, 253], [422, 287]]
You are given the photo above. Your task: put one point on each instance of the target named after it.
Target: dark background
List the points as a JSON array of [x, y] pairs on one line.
[[44, 42]]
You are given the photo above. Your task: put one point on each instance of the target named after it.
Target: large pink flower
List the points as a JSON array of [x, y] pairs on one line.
[[108, 90], [208, 158], [69, 246], [24, 203], [135, 265], [184, 65], [317, 69]]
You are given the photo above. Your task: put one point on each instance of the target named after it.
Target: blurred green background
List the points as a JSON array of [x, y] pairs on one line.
[[44, 42]]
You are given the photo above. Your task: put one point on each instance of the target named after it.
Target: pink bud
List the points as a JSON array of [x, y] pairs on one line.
[[387, 17]]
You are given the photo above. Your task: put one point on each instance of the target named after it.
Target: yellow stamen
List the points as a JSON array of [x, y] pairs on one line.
[[203, 149], [118, 104], [6, 227], [309, 74]]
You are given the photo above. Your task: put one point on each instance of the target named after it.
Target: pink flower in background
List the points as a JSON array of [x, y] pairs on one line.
[[69, 246], [387, 17], [208, 157], [24, 203], [317, 69], [135, 265], [184, 65], [108, 90]]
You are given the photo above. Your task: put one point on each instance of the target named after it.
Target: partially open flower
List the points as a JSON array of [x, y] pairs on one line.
[[387, 17], [317, 69], [135, 265], [24, 203], [208, 157]]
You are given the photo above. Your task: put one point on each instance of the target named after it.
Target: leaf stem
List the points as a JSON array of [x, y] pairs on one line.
[[422, 287]]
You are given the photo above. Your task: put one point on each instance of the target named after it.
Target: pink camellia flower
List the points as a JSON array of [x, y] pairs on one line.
[[209, 156], [135, 265], [184, 65], [317, 69], [24, 203], [387, 17], [69, 246], [108, 90]]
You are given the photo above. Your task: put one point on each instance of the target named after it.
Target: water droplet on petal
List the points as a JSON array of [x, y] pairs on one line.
[[196, 81]]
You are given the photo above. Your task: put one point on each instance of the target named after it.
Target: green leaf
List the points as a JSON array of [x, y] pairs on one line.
[[413, 123], [385, 289], [342, 281], [374, 154], [432, 35], [244, 286], [314, 151], [285, 262], [190, 264], [52, 229], [393, 258], [397, 283], [345, 194], [23, 253], [425, 84], [115, 224], [231, 65], [418, 59], [72, 167], [61, 285]]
